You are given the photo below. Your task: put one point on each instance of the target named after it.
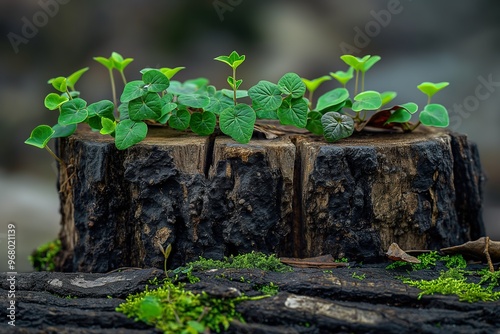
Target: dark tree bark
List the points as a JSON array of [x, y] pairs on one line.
[[296, 196], [309, 301]]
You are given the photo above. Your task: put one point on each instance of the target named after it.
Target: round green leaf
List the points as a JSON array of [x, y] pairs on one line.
[[435, 115], [170, 72], [54, 101], [343, 77], [40, 136], [369, 63], [145, 107], [388, 97], [266, 95], [218, 102], [234, 59], [400, 115], [194, 100], [203, 123], [179, 119], [336, 126], [430, 88], [74, 77], [368, 100], [293, 112], [410, 107], [312, 85], [133, 90], [104, 108], [59, 83], [129, 133], [108, 63], [314, 122], [291, 84], [354, 61], [230, 93], [73, 112], [63, 131], [166, 112], [331, 98], [178, 88], [238, 122], [108, 126], [149, 308], [155, 81]]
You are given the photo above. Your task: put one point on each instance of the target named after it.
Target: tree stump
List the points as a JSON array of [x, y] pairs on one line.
[[296, 196]]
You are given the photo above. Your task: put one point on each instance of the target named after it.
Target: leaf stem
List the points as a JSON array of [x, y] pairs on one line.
[[363, 82], [113, 87], [54, 155], [123, 77], [234, 85], [356, 84], [416, 126]]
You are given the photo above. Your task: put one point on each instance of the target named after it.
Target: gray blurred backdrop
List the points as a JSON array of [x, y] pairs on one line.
[[448, 40]]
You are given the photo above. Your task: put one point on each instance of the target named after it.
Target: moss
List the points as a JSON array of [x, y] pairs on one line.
[[454, 282], [173, 309], [253, 260], [43, 258]]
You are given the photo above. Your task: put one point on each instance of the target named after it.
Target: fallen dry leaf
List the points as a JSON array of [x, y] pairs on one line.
[[397, 254], [323, 262], [475, 249]]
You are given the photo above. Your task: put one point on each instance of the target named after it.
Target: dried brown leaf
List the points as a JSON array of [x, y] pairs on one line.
[[397, 254], [475, 249]]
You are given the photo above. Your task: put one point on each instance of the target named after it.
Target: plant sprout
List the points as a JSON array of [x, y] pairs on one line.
[[200, 107]]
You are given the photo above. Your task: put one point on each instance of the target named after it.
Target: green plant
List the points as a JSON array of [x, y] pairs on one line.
[[270, 289], [358, 276], [253, 260], [43, 258], [454, 282], [200, 107], [173, 309]]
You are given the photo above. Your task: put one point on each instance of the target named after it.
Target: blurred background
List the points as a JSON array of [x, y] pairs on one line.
[[447, 40]]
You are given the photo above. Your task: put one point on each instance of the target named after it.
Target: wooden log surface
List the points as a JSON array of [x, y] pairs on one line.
[[296, 196], [309, 301]]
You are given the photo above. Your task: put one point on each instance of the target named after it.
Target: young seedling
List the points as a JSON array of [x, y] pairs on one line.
[[42, 134], [343, 77], [433, 114], [313, 85], [233, 60], [115, 61]]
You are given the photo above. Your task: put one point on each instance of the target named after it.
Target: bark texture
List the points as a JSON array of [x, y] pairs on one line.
[[309, 301], [295, 196]]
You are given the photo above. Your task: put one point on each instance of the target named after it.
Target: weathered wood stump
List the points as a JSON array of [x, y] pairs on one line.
[[295, 196]]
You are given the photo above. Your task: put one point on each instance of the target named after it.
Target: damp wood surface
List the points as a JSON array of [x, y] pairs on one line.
[[309, 301], [295, 196]]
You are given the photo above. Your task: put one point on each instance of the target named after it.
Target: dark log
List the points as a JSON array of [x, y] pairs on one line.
[[309, 301], [296, 196]]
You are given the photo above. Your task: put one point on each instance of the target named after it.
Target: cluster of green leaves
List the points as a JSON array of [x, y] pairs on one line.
[[455, 280], [173, 309], [200, 107], [332, 116], [43, 258], [253, 260]]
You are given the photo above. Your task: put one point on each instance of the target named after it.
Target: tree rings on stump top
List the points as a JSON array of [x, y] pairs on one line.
[[296, 196]]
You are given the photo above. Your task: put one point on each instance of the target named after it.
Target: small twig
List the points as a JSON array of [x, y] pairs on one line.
[[487, 253]]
